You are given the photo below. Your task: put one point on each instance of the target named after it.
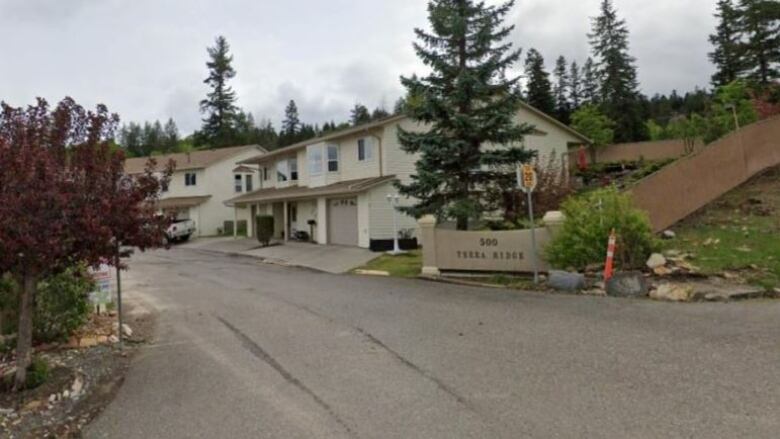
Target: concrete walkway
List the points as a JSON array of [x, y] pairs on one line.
[[328, 258]]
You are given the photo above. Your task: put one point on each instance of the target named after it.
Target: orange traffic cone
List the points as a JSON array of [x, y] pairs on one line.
[[610, 256]]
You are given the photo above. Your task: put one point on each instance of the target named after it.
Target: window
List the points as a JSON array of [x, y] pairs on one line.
[[315, 160], [282, 171], [265, 173], [293, 164], [333, 158], [294, 213], [249, 182], [190, 179], [237, 183], [365, 150]]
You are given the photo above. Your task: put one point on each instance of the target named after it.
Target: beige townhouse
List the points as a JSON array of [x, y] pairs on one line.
[[338, 188], [202, 182]]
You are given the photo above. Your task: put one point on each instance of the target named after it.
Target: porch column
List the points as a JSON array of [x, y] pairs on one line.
[[285, 227], [235, 222]]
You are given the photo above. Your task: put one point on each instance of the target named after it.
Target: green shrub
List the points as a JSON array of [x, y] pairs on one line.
[[37, 373], [61, 305], [265, 229], [590, 217]]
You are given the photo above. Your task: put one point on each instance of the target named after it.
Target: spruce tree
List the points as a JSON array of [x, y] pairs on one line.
[[561, 90], [760, 27], [359, 114], [590, 83], [220, 104], [617, 74], [171, 136], [727, 55], [538, 87], [575, 86], [291, 125], [467, 102]]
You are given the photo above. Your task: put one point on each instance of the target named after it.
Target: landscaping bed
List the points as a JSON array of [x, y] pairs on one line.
[[83, 377]]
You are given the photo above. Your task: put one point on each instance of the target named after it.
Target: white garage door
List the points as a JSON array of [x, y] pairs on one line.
[[342, 221]]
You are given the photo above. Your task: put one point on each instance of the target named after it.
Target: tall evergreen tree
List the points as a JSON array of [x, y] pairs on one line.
[[760, 27], [467, 102], [617, 74], [538, 88], [727, 54], [359, 114], [590, 83], [171, 136], [291, 125], [220, 104], [575, 86], [561, 90], [379, 113]]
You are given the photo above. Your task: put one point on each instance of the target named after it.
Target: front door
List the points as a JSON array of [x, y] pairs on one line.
[[343, 221]]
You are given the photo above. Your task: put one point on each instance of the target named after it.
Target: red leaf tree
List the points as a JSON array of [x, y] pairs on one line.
[[64, 199]]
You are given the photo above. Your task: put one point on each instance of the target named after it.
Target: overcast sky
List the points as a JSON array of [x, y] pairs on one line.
[[145, 59]]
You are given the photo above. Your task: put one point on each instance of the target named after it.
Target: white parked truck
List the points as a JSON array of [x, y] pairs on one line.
[[180, 230]]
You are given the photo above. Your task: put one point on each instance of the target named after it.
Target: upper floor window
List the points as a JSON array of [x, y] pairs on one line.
[[237, 183], [293, 164], [365, 150], [190, 179], [315, 160], [333, 158], [249, 182], [282, 171], [265, 173]]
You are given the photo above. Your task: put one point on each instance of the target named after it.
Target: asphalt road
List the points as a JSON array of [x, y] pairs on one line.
[[246, 350]]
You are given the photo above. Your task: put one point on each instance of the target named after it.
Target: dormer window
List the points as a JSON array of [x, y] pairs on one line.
[[237, 183], [190, 179]]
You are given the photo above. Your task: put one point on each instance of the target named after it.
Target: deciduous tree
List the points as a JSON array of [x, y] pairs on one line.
[[64, 200]]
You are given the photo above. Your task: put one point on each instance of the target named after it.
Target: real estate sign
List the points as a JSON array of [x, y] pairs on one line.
[[101, 295]]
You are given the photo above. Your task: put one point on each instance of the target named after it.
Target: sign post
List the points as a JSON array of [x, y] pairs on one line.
[[526, 179]]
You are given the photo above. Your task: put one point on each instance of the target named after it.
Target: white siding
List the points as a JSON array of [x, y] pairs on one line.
[[380, 213]]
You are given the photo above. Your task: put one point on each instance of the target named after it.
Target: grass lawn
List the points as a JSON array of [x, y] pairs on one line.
[[739, 232], [406, 265]]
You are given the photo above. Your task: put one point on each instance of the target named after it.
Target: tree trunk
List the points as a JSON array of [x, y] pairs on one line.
[[29, 285], [463, 223]]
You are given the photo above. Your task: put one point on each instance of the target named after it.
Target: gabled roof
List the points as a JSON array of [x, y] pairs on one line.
[[189, 160], [381, 123], [348, 187]]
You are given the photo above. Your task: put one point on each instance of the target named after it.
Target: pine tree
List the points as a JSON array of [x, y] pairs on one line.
[[379, 113], [219, 105], [538, 87], [170, 136], [359, 114], [617, 74], [575, 86], [467, 102], [291, 125], [760, 27], [590, 84], [561, 90], [727, 53]]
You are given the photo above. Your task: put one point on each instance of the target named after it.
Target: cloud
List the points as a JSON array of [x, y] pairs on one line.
[[146, 59]]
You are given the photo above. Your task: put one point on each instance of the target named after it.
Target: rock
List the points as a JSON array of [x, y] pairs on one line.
[[87, 342], [126, 330], [77, 387], [32, 405], [102, 339], [566, 281], [672, 292], [594, 292], [668, 234], [627, 284], [52, 397], [656, 260], [113, 339], [730, 276], [372, 272], [662, 271], [66, 394]]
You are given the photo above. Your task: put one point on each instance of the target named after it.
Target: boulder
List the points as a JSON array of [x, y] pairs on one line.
[[126, 330], [656, 260], [668, 234], [673, 292], [566, 281], [627, 284]]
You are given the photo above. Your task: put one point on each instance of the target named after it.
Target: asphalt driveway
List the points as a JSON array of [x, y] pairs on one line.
[[259, 351]]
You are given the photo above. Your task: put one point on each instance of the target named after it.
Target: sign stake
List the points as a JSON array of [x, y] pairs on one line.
[[527, 180]]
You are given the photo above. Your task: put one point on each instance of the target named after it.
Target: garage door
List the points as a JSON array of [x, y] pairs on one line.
[[342, 221]]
